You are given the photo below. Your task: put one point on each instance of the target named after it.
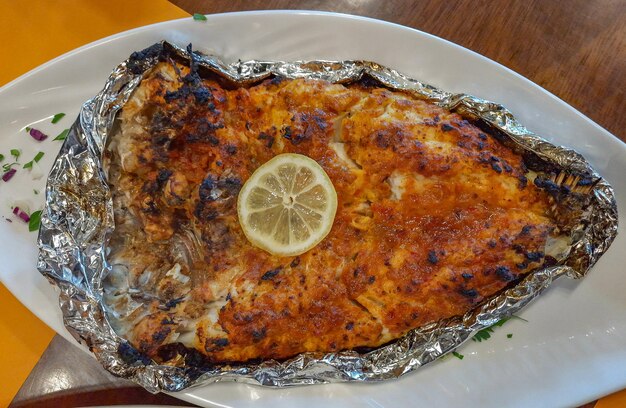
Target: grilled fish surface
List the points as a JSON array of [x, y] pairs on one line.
[[434, 215]]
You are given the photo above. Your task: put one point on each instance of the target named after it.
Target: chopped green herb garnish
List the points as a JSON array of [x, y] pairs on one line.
[[15, 153], [199, 17], [454, 353], [508, 336], [38, 157], [485, 333], [62, 135], [57, 117], [1, 157], [6, 167], [27, 129], [35, 191], [35, 220]]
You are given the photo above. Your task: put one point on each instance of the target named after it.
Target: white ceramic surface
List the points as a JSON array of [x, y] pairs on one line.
[[573, 348]]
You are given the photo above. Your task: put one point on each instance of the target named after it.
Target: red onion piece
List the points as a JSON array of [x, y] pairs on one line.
[[37, 134], [24, 217], [7, 176]]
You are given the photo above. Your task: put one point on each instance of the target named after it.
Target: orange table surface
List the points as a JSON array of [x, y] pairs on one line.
[[32, 33]]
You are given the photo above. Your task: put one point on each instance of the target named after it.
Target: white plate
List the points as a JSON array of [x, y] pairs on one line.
[[573, 348]]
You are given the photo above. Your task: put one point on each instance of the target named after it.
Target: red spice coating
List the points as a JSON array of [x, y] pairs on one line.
[[432, 216]]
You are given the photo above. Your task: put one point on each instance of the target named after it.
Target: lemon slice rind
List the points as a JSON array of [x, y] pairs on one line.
[[288, 205]]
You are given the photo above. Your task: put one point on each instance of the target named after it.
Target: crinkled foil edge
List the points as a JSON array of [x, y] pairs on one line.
[[78, 219]]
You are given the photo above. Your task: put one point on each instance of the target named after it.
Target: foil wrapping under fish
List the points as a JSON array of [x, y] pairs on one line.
[[78, 220]]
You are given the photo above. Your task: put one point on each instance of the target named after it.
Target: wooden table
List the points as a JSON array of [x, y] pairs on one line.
[[575, 49]]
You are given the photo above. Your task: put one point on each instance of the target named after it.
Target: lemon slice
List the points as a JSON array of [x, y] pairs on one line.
[[288, 205]]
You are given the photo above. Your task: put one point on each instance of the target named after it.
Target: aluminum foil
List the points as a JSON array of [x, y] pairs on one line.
[[78, 219]]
